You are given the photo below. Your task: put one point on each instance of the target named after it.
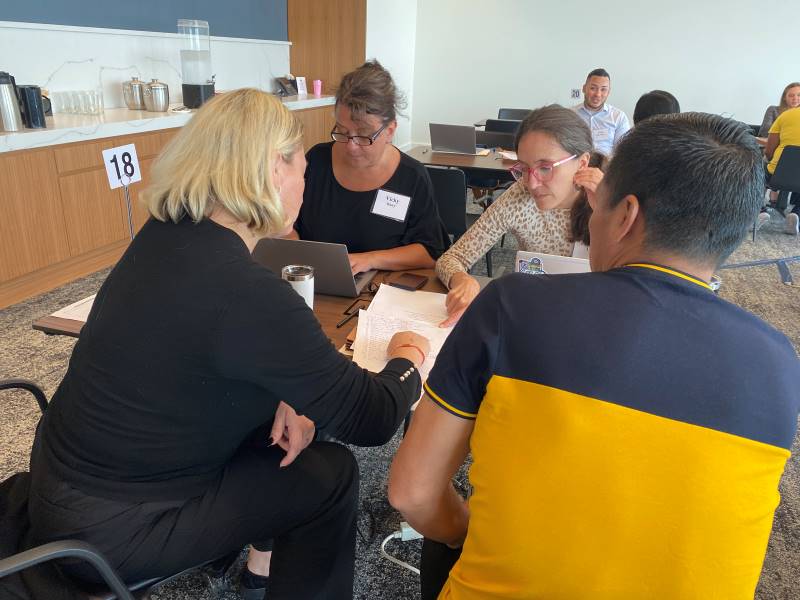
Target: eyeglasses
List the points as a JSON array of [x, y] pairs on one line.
[[543, 171], [358, 140]]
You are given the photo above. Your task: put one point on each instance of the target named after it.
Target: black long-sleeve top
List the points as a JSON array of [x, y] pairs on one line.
[[189, 347]]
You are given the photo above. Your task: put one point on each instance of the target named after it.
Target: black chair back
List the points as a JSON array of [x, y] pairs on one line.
[[502, 125], [450, 190], [786, 177], [515, 114], [494, 139]]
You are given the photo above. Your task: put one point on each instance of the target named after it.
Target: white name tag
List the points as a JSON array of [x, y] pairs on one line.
[[390, 205], [600, 135]]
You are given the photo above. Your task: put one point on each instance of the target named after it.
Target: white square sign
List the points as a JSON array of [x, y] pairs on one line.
[[122, 166]]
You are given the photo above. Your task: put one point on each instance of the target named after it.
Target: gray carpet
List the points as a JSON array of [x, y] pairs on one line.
[[27, 353]]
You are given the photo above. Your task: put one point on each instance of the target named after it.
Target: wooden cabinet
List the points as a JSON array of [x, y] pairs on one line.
[[93, 213], [32, 232], [138, 209], [59, 220], [317, 125]]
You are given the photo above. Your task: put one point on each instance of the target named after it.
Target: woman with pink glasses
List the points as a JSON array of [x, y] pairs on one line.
[[546, 210]]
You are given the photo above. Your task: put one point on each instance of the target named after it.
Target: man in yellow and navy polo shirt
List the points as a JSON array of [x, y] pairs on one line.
[[628, 427]]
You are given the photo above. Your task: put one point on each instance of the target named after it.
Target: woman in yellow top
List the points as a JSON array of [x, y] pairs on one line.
[[785, 131]]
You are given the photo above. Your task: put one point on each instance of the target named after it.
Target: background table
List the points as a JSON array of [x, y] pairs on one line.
[[492, 165]]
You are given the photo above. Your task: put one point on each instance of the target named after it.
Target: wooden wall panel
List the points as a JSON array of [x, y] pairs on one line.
[[32, 232], [329, 38]]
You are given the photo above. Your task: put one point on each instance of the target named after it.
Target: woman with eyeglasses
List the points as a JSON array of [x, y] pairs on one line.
[[362, 191], [546, 209]]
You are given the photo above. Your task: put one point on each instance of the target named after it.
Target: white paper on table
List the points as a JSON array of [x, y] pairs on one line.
[[508, 154], [78, 311], [427, 307], [375, 330]]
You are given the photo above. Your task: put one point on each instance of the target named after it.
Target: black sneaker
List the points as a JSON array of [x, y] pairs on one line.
[[252, 586]]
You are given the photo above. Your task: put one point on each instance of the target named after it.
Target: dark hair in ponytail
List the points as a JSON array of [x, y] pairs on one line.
[[581, 211]]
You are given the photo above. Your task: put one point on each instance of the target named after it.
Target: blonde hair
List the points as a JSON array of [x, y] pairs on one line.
[[225, 156]]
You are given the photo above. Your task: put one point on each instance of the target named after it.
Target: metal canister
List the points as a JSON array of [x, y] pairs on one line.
[[132, 92], [301, 278], [156, 96]]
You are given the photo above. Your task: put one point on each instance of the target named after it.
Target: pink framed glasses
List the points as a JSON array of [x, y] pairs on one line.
[[543, 171]]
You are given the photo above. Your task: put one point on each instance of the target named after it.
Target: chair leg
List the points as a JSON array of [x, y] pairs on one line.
[[489, 262], [503, 240]]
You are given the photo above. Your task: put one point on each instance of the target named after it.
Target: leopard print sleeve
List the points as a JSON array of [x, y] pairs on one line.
[[484, 233]]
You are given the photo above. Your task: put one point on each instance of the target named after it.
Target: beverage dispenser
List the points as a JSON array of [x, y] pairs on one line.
[[198, 81]]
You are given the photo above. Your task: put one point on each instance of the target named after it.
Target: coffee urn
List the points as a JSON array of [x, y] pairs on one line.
[[10, 117], [198, 81]]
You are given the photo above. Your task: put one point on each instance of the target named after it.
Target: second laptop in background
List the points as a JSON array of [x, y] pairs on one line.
[[456, 139]]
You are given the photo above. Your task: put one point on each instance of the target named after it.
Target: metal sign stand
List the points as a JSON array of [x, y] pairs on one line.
[[130, 209]]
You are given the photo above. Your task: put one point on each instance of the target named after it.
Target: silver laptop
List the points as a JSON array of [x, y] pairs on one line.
[[332, 274], [538, 263], [456, 139]]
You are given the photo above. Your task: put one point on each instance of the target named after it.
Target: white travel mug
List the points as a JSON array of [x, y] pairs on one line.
[[301, 278]]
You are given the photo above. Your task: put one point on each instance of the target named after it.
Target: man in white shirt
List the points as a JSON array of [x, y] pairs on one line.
[[608, 124]]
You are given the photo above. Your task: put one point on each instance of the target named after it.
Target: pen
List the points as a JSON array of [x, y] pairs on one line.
[[346, 319]]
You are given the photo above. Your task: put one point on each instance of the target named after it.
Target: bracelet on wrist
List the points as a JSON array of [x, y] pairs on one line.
[[417, 348]]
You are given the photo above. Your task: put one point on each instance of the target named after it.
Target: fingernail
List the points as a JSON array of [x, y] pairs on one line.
[[271, 441]]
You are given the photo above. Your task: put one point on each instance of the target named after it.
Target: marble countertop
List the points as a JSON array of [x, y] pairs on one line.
[[66, 128]]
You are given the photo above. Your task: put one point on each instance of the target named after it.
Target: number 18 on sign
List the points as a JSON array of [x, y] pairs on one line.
[[122, 168]]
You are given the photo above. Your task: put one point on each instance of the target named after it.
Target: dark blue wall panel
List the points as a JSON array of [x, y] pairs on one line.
[[257, 19]]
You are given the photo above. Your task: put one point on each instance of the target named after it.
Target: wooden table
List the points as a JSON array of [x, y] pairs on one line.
[[328, 309], [492, 165]]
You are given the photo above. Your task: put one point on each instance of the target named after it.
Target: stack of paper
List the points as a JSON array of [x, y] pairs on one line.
[[78, 311], [394, 310]]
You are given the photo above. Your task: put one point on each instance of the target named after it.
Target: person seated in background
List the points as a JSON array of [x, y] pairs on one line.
[[790, 98], [156, 446], [362, 191], [607, 123], [785, 131], [545, 210], [657, 102], [628, 427]]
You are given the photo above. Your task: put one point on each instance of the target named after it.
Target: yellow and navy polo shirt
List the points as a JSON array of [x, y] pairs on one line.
[[631, 429]]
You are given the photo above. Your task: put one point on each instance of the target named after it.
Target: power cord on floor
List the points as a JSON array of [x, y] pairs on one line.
[[396, 535]]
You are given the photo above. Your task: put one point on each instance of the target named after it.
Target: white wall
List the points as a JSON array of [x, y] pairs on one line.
[[732, 57], [391, 38], [62, 58]]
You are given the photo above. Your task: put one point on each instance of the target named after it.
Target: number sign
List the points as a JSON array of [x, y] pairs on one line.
[[122, 166]]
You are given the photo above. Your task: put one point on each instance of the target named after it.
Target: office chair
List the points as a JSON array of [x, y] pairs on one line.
[[494, 139], [515, 114], [450, 190], [73, 549], [502, 125], [786, 178]]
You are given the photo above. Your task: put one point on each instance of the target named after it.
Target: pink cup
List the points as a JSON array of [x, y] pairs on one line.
[[317, 83]]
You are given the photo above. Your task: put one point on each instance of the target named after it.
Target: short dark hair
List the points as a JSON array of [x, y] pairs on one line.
[[699, 179], [370, 90], [598, 73], [657, 102], [573, 135]]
